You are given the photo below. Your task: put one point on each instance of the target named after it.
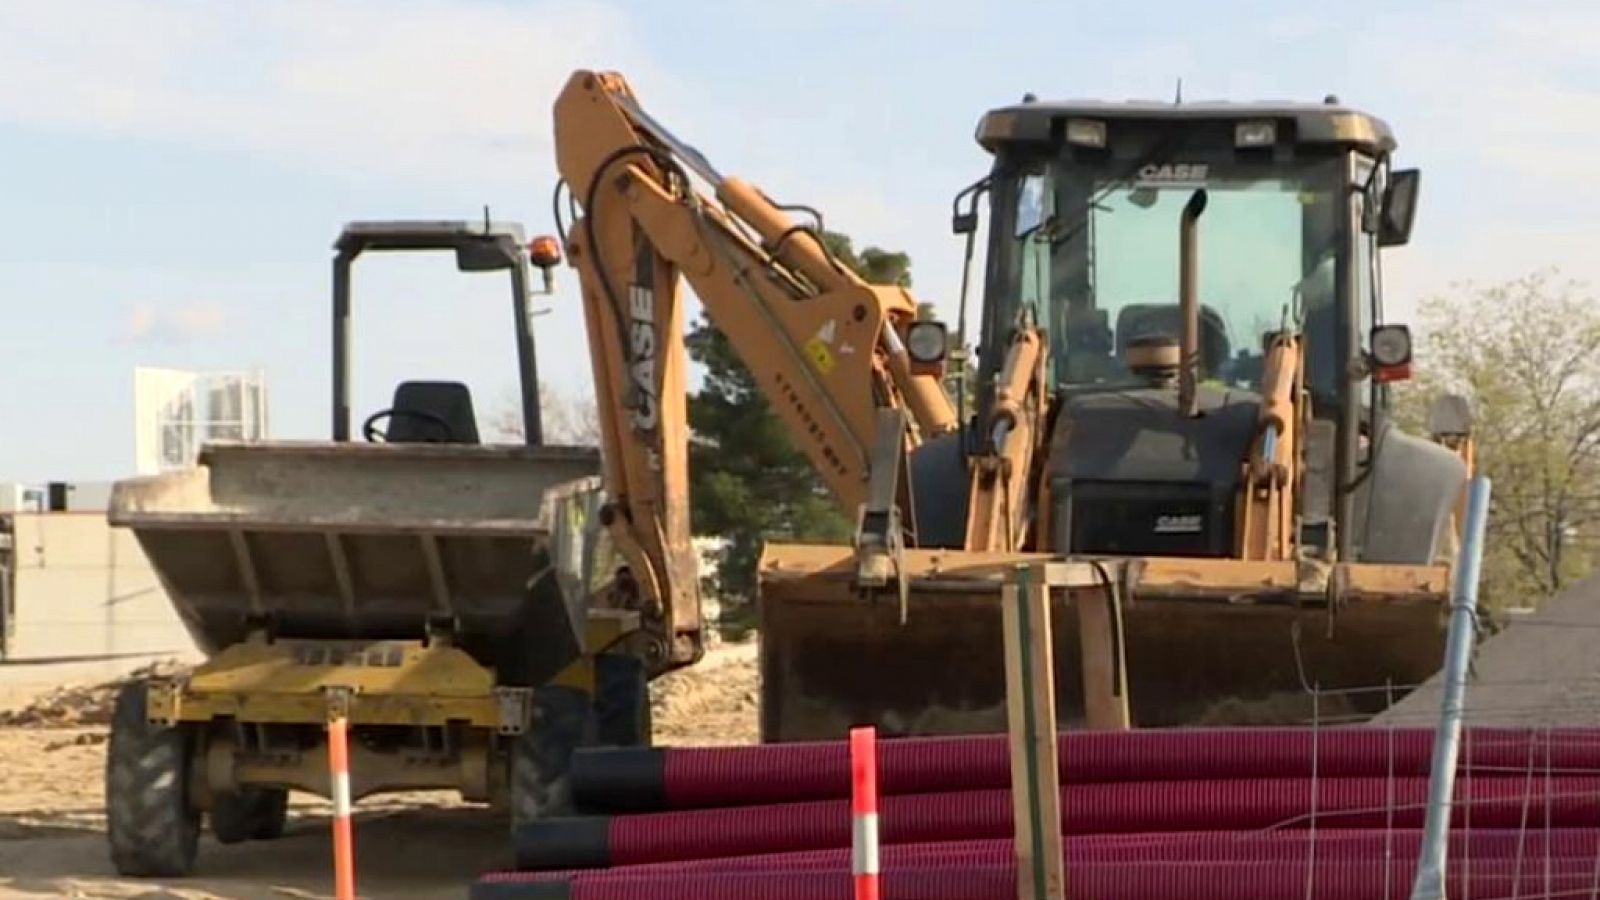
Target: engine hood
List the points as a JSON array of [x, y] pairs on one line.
[[1138, 435]]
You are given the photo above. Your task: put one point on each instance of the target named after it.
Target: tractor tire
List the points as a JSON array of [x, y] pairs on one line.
[[250, 814], [153, 829], [622, 701], [540, 756]]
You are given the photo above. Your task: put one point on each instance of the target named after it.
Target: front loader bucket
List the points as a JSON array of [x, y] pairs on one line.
[[1206, 642]]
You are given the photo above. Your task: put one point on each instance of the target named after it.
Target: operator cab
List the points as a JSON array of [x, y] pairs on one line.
[[1288, 206], [1086, 199]]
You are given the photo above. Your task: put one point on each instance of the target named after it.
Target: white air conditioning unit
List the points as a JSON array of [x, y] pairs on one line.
[[177, 412]]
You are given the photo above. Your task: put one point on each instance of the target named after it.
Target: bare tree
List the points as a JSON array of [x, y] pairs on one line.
[[1527, 353], [567, 418]]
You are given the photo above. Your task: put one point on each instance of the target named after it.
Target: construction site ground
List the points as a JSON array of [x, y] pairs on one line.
[[408, 847]]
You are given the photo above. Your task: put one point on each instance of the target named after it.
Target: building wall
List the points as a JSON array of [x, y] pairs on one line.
[[85, 589]]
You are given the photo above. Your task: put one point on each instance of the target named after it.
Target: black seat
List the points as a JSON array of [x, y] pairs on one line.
[[436, 405]]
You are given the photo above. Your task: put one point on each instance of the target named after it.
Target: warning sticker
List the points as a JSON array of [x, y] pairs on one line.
[[821, 356]]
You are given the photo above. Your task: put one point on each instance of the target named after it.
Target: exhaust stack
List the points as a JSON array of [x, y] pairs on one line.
[[1189, 302]]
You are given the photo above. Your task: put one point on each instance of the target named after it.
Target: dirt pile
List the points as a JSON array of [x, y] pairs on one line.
[[711, 703], [81, 705]]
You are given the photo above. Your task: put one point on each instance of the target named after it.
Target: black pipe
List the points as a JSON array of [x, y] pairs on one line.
[[341, 345], [527, 362]]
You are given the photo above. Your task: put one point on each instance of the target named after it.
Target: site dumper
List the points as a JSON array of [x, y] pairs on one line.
[[429, 587]]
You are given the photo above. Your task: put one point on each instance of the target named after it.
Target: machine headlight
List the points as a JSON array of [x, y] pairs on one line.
[[927, 342], [1086, 132], [1391, 353], [1262, 133], [1391, 345]]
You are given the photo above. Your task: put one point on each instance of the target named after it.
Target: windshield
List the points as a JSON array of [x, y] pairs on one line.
[[1095, 255]]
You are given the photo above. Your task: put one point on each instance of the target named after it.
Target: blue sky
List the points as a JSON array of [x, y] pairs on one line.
[[173, 172]]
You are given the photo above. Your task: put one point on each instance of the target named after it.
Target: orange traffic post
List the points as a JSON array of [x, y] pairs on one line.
[[344, 862], [864, 811]]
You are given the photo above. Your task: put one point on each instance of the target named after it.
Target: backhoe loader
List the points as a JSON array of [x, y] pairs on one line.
[[1181, 391]]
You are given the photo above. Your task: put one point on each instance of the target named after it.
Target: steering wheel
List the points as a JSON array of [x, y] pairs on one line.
[[369, 429]]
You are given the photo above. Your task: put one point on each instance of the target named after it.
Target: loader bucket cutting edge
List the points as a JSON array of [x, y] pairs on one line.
[[1208, 641]]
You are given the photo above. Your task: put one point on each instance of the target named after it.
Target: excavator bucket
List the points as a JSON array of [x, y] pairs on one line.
[[1205, 641]]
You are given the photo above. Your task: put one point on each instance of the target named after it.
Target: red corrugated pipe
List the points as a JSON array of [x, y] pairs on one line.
[[1277, 880], [1346, 803], [1333, 845], [636, 779]]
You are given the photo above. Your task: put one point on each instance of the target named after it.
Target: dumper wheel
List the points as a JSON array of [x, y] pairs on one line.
[[250, 814], [562, 722], [622, 701], [152, 827]]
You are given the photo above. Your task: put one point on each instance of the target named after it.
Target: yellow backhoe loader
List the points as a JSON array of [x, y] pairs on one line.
[[1181, 391]]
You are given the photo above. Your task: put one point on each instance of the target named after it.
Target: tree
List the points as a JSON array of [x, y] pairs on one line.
[[567, 419], [748, 480], [1527, 354]]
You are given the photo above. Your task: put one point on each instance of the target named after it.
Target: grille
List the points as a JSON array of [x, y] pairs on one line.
[[1148, 519]]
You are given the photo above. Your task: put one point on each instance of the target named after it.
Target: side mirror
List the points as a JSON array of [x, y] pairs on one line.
[[965, 220], [1391, 353], [1399, 208]]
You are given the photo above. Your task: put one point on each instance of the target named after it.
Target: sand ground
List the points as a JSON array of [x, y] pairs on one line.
[[411, 847]]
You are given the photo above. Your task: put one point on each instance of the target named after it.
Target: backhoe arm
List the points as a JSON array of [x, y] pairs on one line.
[[826, 348]]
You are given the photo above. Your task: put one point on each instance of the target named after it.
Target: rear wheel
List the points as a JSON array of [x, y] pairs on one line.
[[249, 814], [542, 753], [153, 829], [622, 701]]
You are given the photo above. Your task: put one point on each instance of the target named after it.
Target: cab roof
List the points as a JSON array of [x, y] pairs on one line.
[[1307, 123], [423, 234]]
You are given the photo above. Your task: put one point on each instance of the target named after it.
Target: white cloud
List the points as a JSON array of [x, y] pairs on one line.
[[1501, 107], [413, 88], [1517, 88], [174, 323]]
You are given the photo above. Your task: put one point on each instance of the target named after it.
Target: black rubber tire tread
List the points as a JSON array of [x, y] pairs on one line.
[[273, 814], [562, 721], [250, 814], [622, 701], [153, 829]]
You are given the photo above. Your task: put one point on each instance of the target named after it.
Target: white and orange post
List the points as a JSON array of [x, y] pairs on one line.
[[344, 862], [864, 811]]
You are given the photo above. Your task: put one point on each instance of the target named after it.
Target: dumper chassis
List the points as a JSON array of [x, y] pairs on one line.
[[429, 588]]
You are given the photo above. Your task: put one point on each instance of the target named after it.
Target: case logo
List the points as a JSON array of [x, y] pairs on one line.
[[1170, 174], [1180, 524]]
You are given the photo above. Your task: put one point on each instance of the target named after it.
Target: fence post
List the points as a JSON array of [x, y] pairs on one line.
[[1458, 656], [1031, 714]]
